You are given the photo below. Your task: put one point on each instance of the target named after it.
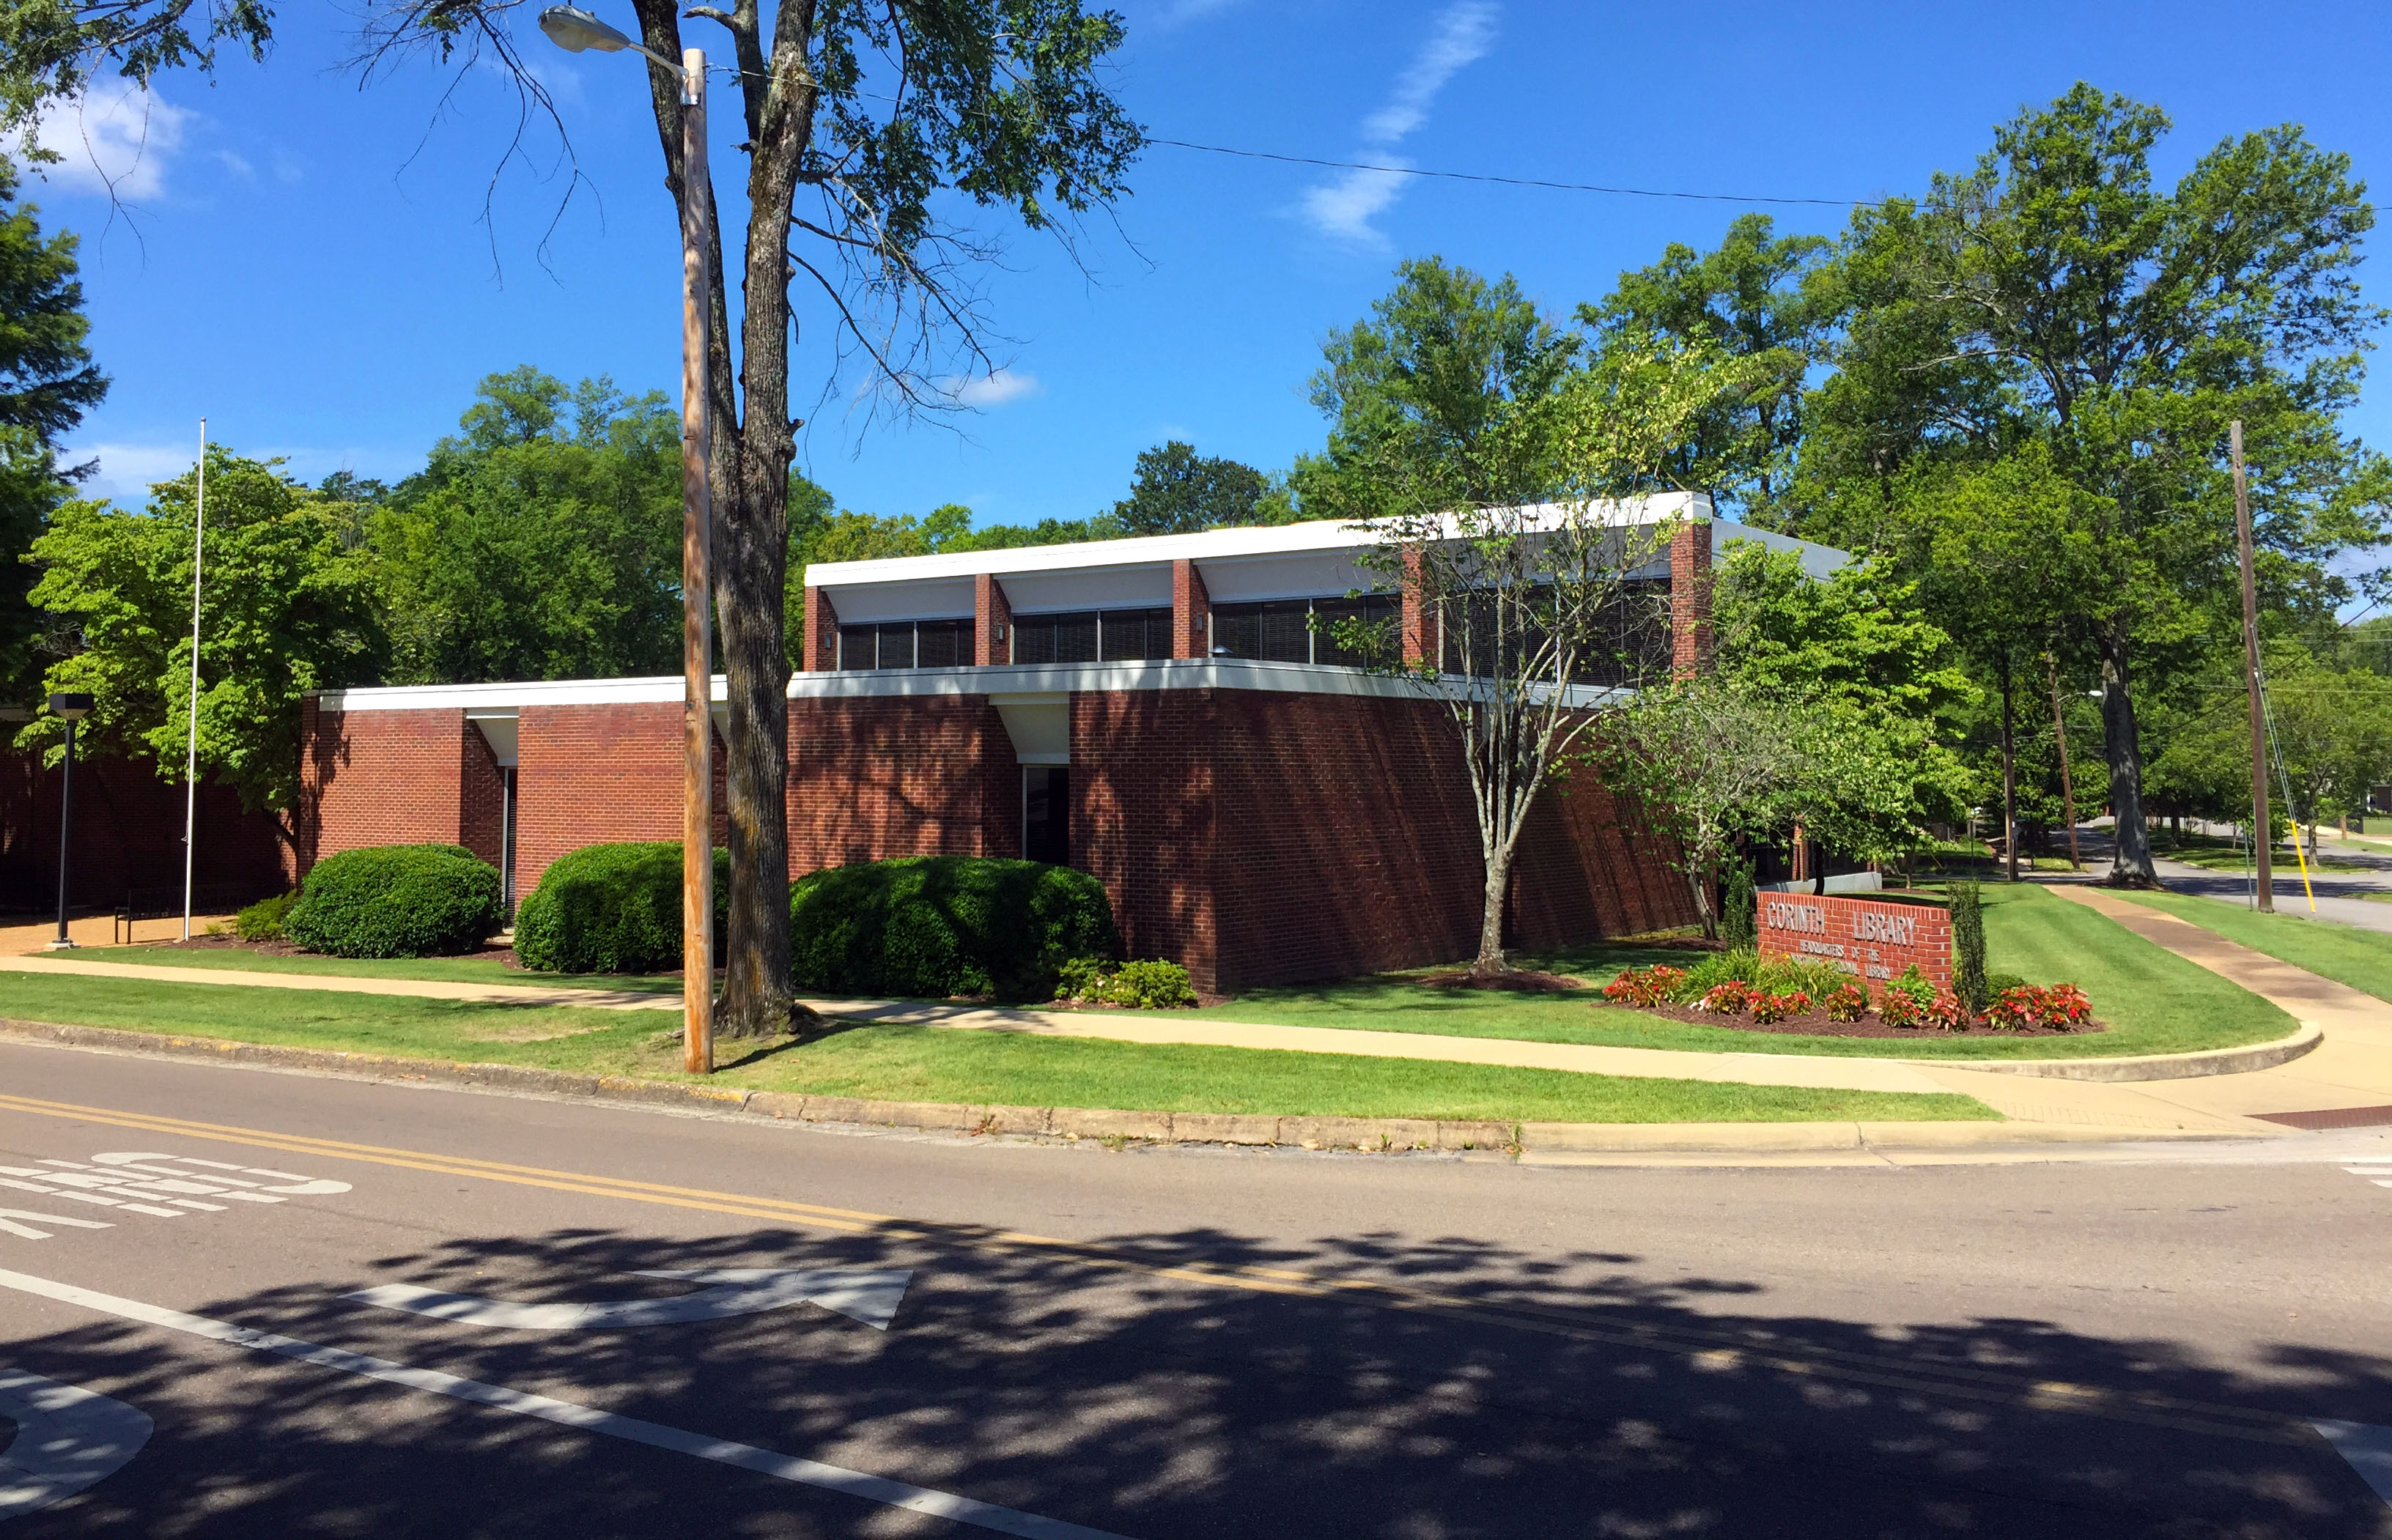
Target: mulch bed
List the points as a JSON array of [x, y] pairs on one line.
[[1517, 981], [1815, 1024]]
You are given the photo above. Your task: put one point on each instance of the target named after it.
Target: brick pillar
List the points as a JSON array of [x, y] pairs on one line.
[[1418, 622], [991, 622], [822, 632], [1192, 612], [1690, 599]]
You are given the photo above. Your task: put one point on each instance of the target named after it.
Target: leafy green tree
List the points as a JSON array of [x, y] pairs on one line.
[[2330, 738], [288, 608], [1752, 298], [542, 543], [48, 380], [2056, 293], [1176, 491], [868, 135]]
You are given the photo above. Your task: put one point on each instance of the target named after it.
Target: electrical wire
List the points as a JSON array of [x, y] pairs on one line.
[[1507, 181]]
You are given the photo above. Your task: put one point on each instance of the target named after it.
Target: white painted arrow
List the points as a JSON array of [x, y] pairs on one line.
[[67, 1438], [869, 1296]]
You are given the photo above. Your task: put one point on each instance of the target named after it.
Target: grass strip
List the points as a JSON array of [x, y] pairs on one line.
[[925, 1064], [2348, 954], [2155, 1000], [452, 970]]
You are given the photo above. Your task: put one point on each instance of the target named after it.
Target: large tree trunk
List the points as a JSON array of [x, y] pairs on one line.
[[2130, 863], [1490, 959]]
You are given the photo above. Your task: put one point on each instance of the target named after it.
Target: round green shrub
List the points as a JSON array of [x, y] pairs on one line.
[[612, 909], [939, 925], [262, 920], [397, 901]]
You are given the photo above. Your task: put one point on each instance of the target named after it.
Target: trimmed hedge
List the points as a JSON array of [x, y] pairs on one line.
[[397, 900], [613, 908], [939, 925]]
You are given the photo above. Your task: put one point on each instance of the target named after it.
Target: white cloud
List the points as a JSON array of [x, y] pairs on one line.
[[995, 390], [1345, 208], [237, 165], [116, 138], [128, 471], [1180, 12]]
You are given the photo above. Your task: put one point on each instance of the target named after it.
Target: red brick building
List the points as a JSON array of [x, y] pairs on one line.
[[1164, 713]]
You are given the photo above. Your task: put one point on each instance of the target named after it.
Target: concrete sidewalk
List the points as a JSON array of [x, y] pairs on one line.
[[2139, 1109]]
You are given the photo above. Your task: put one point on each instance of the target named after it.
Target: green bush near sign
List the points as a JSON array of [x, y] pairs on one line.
[[397, 900], [939, 926], [613, 908]]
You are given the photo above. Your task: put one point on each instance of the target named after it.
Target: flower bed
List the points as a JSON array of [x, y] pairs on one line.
[[1744, 991]]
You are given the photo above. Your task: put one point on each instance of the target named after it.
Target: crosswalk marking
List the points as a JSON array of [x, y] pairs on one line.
[[2377, 1171]]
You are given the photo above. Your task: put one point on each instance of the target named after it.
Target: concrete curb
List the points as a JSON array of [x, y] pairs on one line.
[[1378, 1135], [2150, 1066]]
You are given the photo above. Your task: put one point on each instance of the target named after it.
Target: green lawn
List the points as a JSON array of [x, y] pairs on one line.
[[2154, 1001], [2212, 854], [2346, 954], [942, 1065], [455, 970]]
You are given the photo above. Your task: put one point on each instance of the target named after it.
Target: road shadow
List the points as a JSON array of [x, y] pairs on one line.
[[1475, 1390]]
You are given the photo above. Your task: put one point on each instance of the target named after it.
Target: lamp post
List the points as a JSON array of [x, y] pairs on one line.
[[74, 707], [574, 30]]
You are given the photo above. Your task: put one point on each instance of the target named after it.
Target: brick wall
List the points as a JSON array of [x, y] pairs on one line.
[[1192, 612], [482, 799], [878, 776], [1586, 866], [382, 778], [991, 622], [128, 832], [1869, 937], [820, 650], [598, 774], [1144, 819], [1690, 599]]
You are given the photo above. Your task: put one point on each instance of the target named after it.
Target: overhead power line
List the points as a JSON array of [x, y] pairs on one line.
[[1506, 181]]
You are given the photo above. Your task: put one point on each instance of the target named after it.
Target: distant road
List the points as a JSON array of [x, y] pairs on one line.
[[887, 1335]]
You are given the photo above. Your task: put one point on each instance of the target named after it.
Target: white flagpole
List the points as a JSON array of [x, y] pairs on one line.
[[191, 764]]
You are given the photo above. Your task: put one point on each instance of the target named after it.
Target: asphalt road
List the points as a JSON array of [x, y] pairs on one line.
[[933, 1336]]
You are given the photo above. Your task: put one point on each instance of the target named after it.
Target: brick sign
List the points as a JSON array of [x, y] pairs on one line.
[[1870, 937]]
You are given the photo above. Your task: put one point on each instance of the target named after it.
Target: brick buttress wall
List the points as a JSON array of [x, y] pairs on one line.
[[128, 832], [596, 775], [1587, 866], [482, 799], [1143, 818], [872, 777], [383, 778]]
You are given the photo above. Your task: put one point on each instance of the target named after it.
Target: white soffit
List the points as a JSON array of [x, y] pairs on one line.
[[1312, 575], [935, 599], [1817, 561], [1125, 587], [1039, 725], [498, 730]]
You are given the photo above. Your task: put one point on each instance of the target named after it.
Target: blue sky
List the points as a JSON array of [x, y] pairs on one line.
[[310, 265]]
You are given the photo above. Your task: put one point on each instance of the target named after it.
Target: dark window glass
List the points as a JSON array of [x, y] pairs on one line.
[[1047, 814], [942, 643], [1131, 636], [1382, 613], [1628, 641], [859, 646], [1056, 638], [896, 644], [1276, 631]]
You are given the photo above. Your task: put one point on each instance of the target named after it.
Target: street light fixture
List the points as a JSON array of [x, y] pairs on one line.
[[73, 706], [577, 31]]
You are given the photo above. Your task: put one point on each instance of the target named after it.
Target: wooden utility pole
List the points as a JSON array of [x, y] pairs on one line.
[[696, 589], [2067, 787], [2262, 828]]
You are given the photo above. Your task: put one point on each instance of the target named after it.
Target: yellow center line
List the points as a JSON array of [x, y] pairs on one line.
[[1719, 1351]]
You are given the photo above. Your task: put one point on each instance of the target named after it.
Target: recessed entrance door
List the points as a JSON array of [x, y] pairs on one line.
[[1047, 813]]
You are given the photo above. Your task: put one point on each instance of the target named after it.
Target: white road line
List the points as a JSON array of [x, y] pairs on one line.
[[2368, 1448], [8, 1218], [570, 1414], [67, 1438], [871, 1296]]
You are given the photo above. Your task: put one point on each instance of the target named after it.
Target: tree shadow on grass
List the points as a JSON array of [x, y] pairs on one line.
[[1478, 1391]]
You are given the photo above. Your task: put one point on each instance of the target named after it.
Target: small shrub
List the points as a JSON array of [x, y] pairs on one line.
[[1733, 998], [940, 926], [2062, 1007], [1969, 946], [1154, 986], [1080, 978], [1739, 924], [1778, 1007], [1996, 982], [262, 920], [1845, 1002], [1913, 983], [1948, 1013], [1653, 986], [1897, 1008], [613, 908], [397, 901]]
